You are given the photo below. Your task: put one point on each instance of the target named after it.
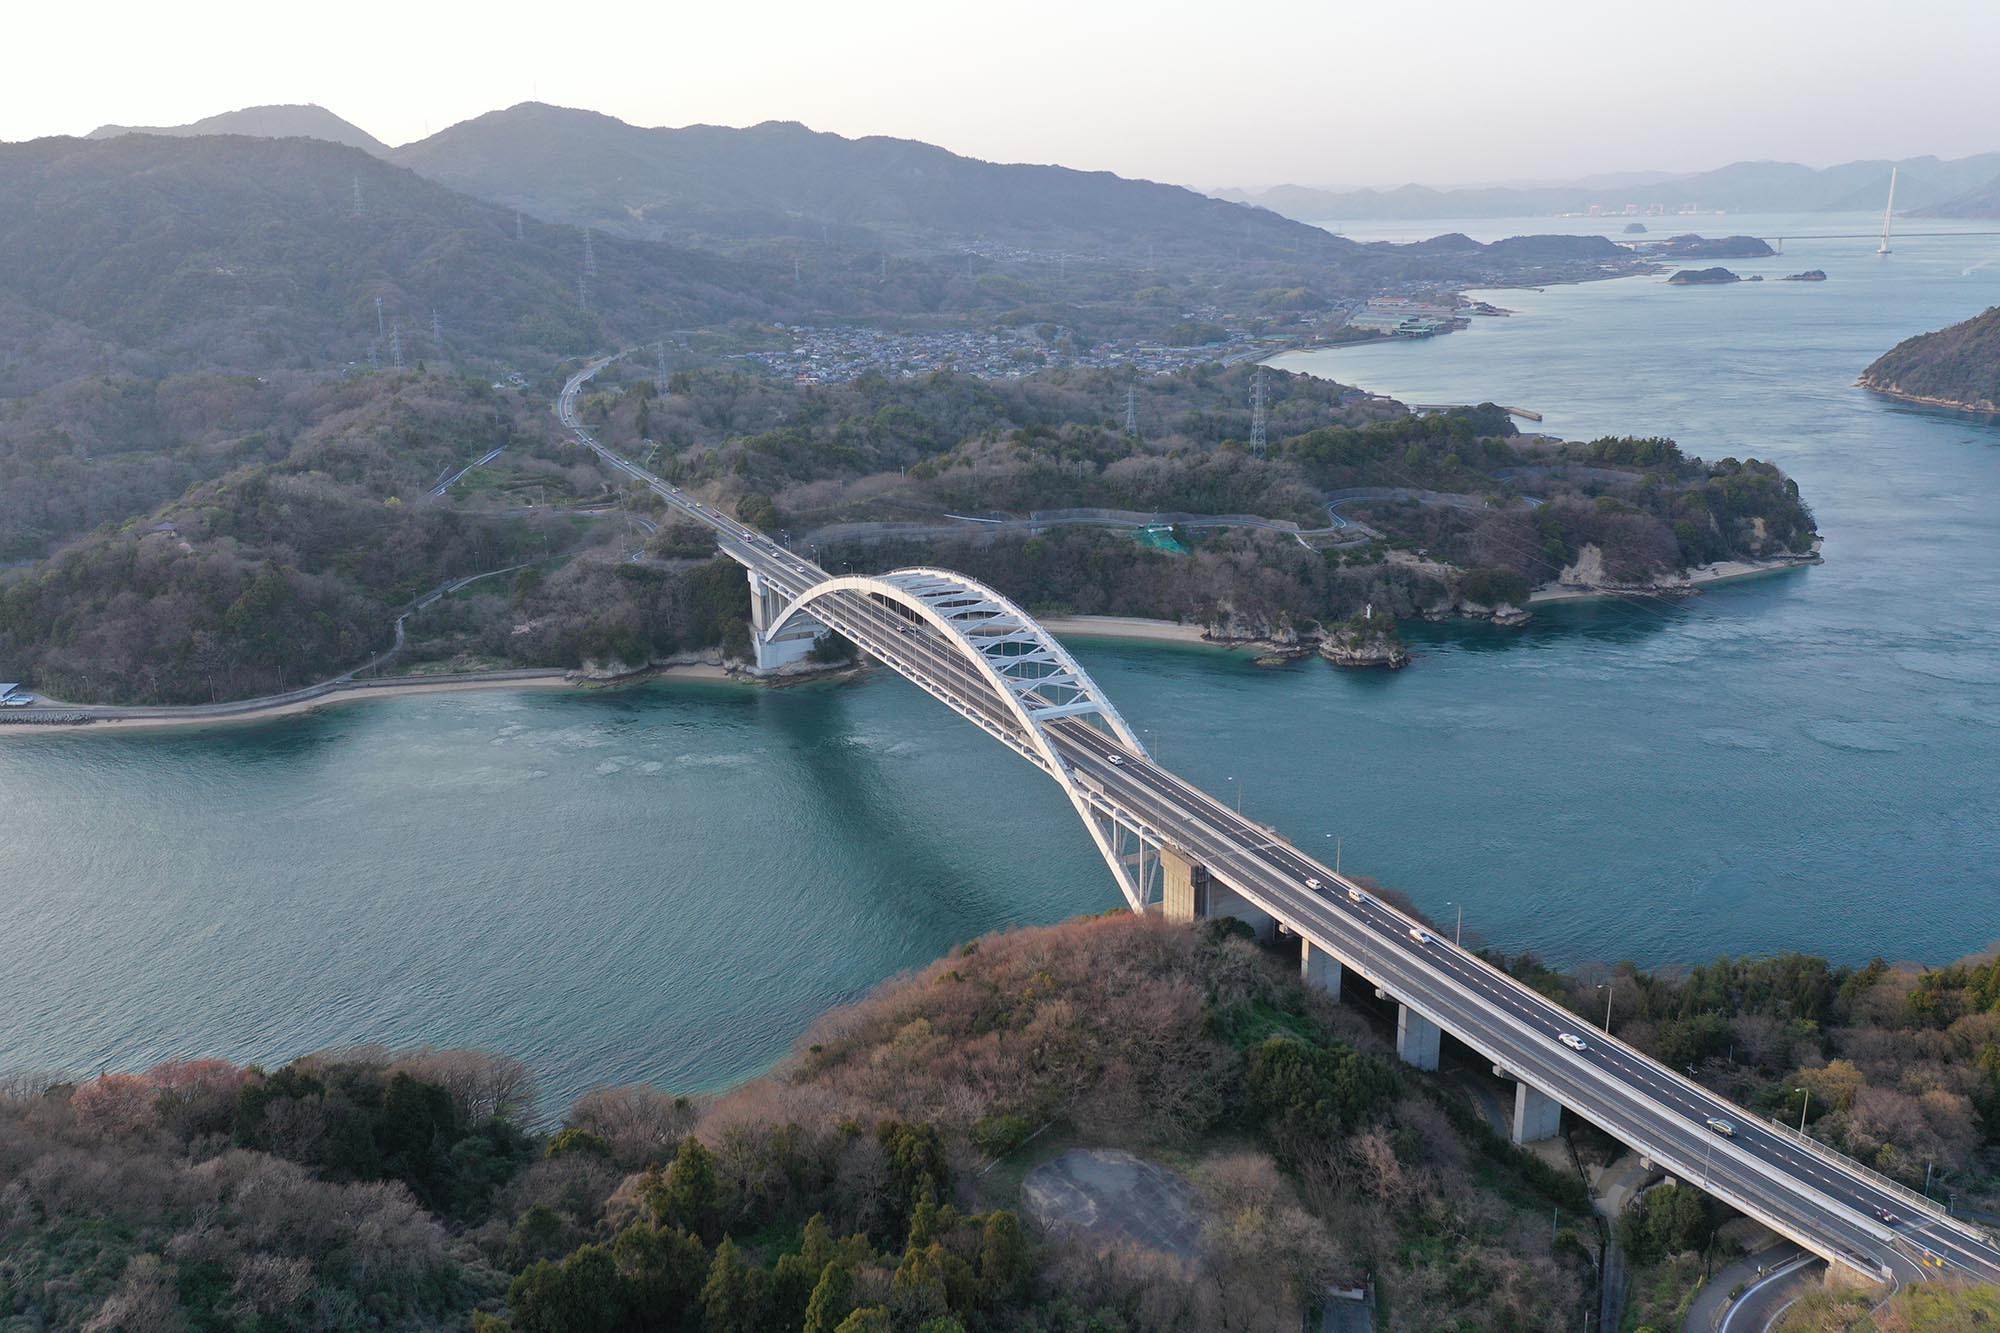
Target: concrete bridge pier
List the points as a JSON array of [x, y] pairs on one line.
[[1537, 1115], [790, 644], [1189, 893], [1416, 1038], [1319, 969]]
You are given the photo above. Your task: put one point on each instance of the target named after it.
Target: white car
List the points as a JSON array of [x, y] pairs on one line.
[[1357, 896], [1574, 1042], [1314, 884], [1115, 760], [1722, 1127], [1420, 935]]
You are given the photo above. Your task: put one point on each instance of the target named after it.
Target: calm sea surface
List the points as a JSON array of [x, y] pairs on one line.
[[669, 883]]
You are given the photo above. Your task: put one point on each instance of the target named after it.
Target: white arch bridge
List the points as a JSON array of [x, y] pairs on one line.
[[1172, 847]]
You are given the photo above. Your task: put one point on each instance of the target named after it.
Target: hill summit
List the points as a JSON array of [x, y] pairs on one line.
[[291, 121]]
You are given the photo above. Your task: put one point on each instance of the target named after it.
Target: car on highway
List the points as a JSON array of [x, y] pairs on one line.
[[1115, 760], [1314, 884], [1357, 896], [1887, 1216], [1420, 935], [1574, 1042], [1722, 1127]]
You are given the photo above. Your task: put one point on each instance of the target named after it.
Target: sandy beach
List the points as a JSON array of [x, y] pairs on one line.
[[1125, 627], [150, 719], [1703, 576]]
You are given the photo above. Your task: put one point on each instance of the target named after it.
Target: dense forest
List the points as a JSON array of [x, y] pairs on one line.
[[856, 1188], [1954, 367], [289, 566], [307, 523], [881, 1180]]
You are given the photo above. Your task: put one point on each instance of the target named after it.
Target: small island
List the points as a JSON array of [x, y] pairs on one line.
[[1956, 367], [1690, 246], [1635, 229], [1702, 277], [1810, 275]]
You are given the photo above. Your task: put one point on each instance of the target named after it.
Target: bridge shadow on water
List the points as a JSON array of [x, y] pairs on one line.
[[916, 864]]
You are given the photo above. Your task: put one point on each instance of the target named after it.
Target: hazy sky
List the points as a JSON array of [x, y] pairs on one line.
[[1440, 91]]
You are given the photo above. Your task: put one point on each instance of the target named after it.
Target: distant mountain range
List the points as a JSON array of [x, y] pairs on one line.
[[732, 189], [264, 122], [726, 188], [150, 254], [1923, 183]]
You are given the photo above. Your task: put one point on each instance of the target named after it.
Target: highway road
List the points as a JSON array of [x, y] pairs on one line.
[[1802, 1189]]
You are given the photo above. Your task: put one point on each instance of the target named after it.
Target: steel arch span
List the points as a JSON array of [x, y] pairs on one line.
[[955, 632]]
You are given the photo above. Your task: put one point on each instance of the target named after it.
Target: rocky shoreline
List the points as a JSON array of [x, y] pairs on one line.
[[1984, 407]]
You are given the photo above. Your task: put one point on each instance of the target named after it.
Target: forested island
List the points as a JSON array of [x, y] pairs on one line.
[[925, 1162], [1956, 367], [311, 522]]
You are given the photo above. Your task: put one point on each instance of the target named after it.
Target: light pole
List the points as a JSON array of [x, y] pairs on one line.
[[1458, 932], [1239, 794], [1802, 1108], [1610, 989]]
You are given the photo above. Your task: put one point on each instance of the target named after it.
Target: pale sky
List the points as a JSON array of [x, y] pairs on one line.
[[1206, 94]]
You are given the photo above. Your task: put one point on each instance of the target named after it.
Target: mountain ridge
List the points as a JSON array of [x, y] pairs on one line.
[[290, 120], [780, 180]]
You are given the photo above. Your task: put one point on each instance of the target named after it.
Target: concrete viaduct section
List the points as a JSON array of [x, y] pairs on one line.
[[779, 642], [1191, 893]]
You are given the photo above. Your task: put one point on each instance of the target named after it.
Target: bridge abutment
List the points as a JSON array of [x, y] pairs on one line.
[[1417, 1038], [1318, 968], [791, 643], [1537, 1115], [1189, 893]]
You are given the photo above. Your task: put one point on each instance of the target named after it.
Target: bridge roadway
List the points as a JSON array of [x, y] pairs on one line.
[[1806, 1191]]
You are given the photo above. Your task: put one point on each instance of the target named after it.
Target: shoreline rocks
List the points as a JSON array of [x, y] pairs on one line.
[[1368, 640]]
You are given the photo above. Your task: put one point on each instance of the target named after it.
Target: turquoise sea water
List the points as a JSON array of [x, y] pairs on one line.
[[669, 883]]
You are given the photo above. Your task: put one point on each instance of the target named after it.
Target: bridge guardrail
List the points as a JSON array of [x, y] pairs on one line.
[[1835, 1158]]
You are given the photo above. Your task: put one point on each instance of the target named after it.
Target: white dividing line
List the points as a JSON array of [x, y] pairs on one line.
[[1782, 1271]]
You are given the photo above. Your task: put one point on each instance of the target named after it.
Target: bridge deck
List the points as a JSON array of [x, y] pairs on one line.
[[1804, 1190]]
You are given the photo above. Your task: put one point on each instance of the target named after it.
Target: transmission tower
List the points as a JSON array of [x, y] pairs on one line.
[[795, 270], [437, 331], [519, 235], [378, 319], [357, 197], [589, 256], [1131, 410], [582, 290], [1257, 412], [396, 345], [885, 266], [660, 374]]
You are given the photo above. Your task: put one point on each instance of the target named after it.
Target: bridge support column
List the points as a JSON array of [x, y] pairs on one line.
[[1189, 893], [1537, 1115], [1318, 968], [1183, 887], [792, 643], [1416, 1038]]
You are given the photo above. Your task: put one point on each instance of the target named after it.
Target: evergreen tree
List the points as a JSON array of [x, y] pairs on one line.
[[731, 1300], [832, 1300]]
